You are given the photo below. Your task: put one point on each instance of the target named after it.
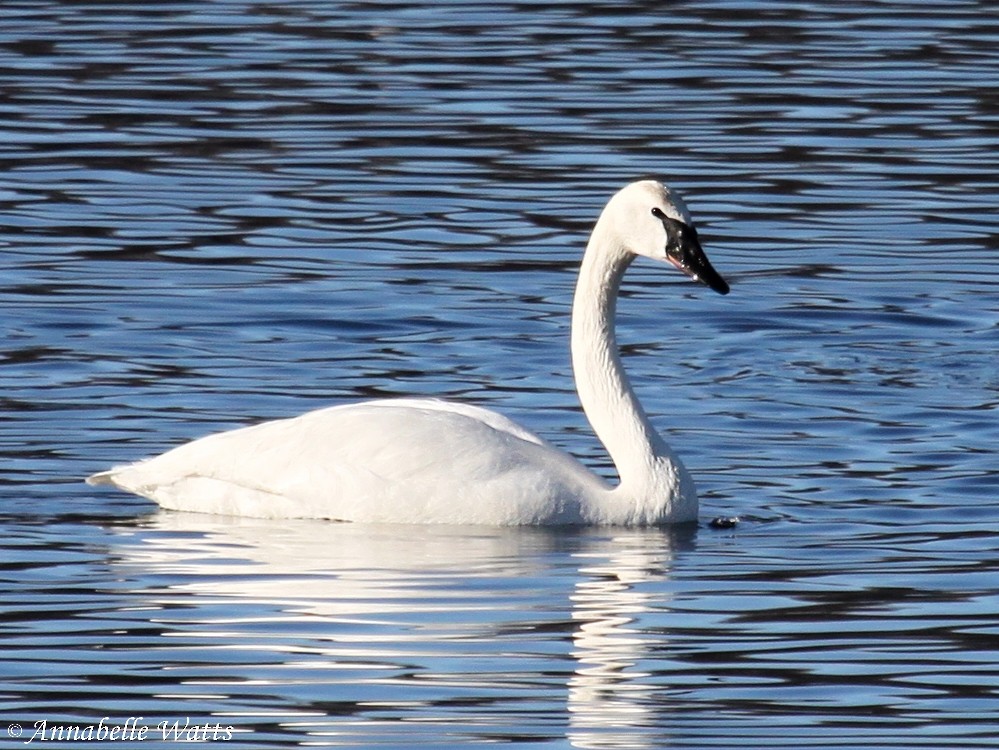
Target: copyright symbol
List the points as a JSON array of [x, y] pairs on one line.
[[14, 730]]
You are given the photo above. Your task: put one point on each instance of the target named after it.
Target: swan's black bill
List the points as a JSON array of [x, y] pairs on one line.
[[688, 256], [693, 262], [683, 250]]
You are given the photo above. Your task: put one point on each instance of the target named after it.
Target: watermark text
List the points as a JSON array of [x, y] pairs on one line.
[[132, 729]]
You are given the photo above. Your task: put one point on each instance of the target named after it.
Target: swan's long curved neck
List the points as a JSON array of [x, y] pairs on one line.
[[608, 400]]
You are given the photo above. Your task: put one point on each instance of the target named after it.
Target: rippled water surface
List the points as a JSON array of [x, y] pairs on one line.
[[213, 213]]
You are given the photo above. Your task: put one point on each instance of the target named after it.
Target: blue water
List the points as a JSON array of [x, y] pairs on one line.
[[214, 213]]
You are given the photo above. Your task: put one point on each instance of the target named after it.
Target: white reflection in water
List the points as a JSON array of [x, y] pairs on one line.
[[609, 695], [403, 615], [325, 570]]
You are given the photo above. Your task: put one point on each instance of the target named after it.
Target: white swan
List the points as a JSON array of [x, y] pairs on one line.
[[429, 461]]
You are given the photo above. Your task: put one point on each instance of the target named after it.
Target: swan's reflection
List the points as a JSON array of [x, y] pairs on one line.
[[610, 698], [326, 569], [390, 597]]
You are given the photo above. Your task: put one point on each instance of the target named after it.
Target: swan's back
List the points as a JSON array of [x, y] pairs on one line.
[[398, 460]]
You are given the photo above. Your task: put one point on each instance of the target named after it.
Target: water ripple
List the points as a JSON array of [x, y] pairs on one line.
[[215, 213]]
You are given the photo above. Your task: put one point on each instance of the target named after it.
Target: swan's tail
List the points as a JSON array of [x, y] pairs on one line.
[[101, 477]]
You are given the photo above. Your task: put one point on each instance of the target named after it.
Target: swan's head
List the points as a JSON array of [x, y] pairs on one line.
[[654, 222]]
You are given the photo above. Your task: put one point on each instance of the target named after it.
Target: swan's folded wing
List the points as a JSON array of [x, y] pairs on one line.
[[403, 460]]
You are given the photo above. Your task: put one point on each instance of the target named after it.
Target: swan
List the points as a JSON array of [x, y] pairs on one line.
[[417, 460]]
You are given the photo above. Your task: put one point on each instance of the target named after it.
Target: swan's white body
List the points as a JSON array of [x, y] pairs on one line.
[[429, 461]]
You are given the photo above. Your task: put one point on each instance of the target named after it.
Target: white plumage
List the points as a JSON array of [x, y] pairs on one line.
[[430, 461]]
